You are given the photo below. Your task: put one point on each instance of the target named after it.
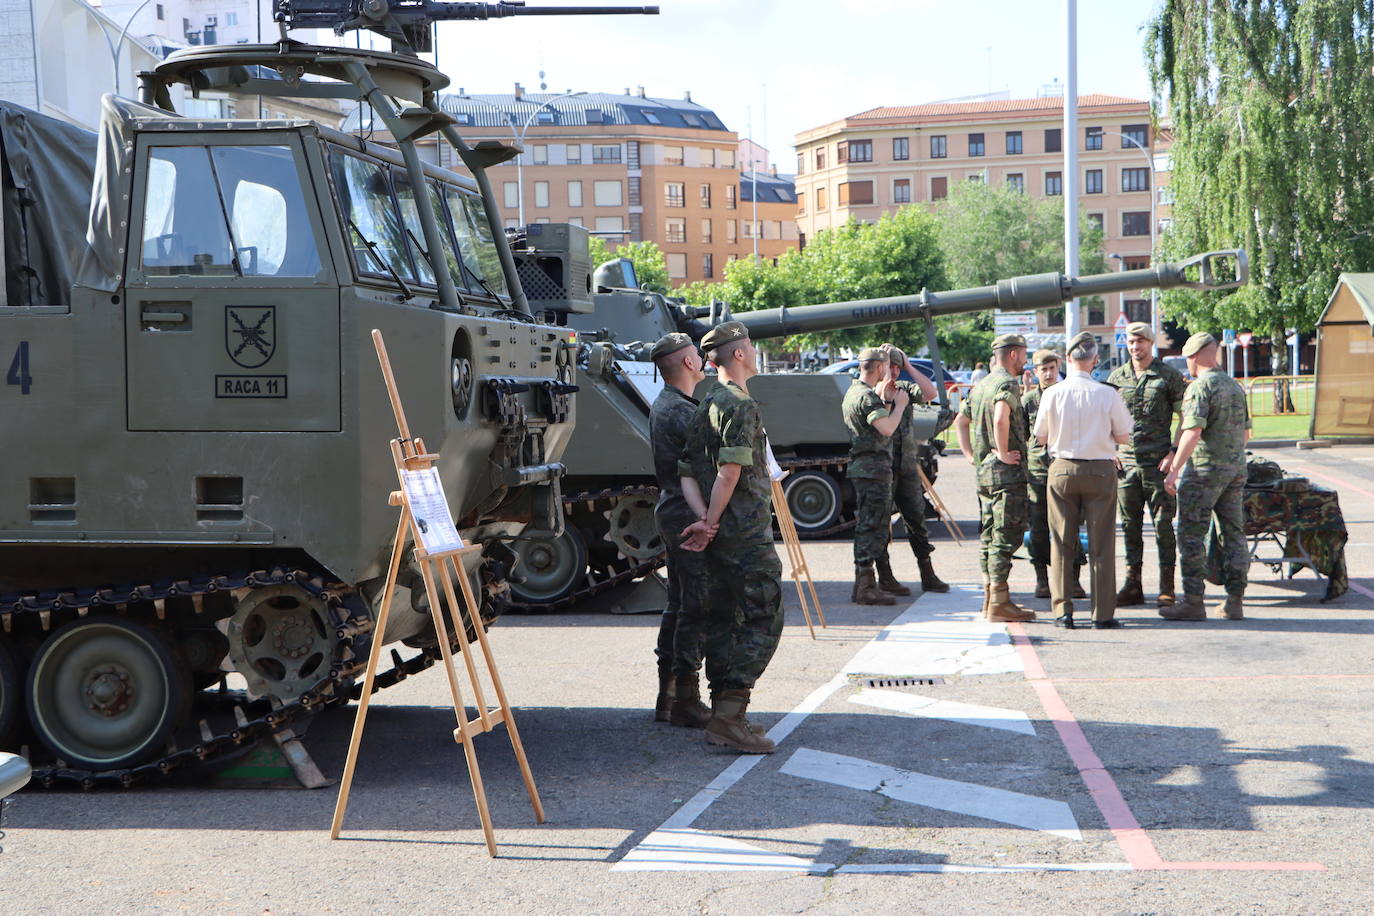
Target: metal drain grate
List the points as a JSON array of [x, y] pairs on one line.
[[904, 682]]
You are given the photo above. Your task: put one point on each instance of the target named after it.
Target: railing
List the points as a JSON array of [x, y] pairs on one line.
[[1280, 395]]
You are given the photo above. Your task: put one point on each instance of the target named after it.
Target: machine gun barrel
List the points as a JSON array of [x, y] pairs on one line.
[[441, 10], [1214, 270]]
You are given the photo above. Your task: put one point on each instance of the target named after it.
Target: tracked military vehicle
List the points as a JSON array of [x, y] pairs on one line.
[[196, 430], [609, 535]]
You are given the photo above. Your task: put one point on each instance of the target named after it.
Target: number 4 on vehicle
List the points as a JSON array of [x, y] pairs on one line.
[[19, 368]]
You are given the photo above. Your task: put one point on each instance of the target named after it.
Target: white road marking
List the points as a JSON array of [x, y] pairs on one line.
[[1029, 811], [695, 850], [1012, 720], [942, 635]]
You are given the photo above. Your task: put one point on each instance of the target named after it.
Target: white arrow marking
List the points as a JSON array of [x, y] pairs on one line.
[[693, 850], [1028, 811], [1011, 720], [940, 637]]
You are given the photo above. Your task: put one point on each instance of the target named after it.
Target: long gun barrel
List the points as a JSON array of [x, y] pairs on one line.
[[1213, 270]]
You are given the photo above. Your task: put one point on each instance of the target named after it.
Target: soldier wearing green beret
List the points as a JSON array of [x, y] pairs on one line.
[[726, 456], [993, 438], [872, 410], [682, 627], [1047, 365], [908, 492], [1208, 474], [1153, 393]]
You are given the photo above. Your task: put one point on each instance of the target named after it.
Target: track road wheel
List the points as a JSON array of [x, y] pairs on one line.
[[813, 498], [11, 693], [105, 693], [551, 568]]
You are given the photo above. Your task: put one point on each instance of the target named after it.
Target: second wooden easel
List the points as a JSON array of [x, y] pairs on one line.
[[438, 552], [796, 559]]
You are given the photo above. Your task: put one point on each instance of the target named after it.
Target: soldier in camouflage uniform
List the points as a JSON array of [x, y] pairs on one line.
[[1047, 364], [872, 410], [1208, 473], [908, 493], [1153, 393], [992, 413], [726, 456], [682, 628]]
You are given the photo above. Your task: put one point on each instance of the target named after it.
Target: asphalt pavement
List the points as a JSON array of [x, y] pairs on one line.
[[928, 762]]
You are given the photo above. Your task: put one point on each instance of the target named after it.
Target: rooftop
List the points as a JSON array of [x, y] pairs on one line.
[[772, 188], [589, 108], [993, 106]]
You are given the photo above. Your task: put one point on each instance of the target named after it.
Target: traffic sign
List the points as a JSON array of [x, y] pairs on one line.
[[1245, 337], [1228, 337], [1013, 322], [1121, 321], [1120, 338]]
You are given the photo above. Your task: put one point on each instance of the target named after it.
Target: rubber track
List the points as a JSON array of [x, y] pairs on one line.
[[264, 720]]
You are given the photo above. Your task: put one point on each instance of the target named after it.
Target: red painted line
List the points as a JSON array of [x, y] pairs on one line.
[[1135, 843], [1338, 482], [1360, 588], [1214, 677]]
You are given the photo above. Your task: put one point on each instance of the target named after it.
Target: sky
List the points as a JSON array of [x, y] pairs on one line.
[[783, 66]]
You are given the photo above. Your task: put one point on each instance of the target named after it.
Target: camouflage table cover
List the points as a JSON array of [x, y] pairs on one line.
[[1309, 521]]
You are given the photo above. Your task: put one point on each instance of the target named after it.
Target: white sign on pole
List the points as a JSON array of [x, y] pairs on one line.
[[1244, 338], [1013, 322], [1120, 339], [1121, 321], [429, 508]]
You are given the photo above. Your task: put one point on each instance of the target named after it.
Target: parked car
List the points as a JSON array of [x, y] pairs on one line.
[[851, 366]]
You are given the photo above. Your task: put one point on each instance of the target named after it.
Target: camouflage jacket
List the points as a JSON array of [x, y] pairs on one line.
[[870, 452], [668, 421], [906, 448], [1038, 462], [1152, 397], [979, 407], [728, 429], [1215, 403]]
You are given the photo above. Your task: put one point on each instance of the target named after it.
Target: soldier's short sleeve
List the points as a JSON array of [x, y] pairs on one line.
[[1195, 406], [683, 468], [738, 434], [873, 408], [1007, 392]]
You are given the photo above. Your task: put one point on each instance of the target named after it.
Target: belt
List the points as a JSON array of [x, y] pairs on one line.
[[1084, 460]]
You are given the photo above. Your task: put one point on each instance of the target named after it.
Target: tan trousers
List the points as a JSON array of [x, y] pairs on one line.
[[1083, 492]]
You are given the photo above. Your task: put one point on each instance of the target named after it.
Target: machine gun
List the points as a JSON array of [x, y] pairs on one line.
[[408, 23]]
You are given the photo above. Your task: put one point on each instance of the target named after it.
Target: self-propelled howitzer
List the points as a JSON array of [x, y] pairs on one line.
[[609, 534]]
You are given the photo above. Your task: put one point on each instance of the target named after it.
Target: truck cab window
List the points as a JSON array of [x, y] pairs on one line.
[[184, 230], [482, 275], [372, 218]]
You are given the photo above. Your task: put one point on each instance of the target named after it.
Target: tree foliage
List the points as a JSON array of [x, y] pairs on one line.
[[651, 267], [1272, 106]]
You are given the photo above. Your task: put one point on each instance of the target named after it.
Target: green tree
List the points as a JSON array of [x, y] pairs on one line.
[[992, 233], [1272, 108], [651, 267]]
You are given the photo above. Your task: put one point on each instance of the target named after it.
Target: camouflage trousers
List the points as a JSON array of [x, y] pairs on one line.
[[1039, 516], [909, 498], [1201, 494], [743, 612], [1002, 511], [682, 629], [873, 498], [1139, 487]]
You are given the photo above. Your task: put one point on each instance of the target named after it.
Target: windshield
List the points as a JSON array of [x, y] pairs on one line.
[[488, 260], [415, 233], [376, 232]]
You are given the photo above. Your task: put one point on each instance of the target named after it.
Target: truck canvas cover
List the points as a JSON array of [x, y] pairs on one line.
[[46, 171]]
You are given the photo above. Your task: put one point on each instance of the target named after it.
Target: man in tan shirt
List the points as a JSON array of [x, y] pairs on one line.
[[1082, 421]]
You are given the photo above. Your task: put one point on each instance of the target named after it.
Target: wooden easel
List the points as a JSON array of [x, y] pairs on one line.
[[442, 566], [940, 507], [796, 559]]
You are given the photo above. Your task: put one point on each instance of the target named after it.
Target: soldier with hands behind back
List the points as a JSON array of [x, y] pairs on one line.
[[1153, 393], [682, 629], [726, 459], [1046, 365], [992, 436], [872, 409], [1207, 473]]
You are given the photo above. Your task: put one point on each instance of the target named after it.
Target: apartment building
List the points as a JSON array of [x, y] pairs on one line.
[[884, 158], [773, 223], [628, 167]]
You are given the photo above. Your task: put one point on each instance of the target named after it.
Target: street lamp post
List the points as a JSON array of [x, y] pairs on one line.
[[118, 46], [1154, 227]]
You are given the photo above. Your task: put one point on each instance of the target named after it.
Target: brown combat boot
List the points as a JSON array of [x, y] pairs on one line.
[[729, 727], [888, 582], [1190, 609], [1167, 596], [688, 710], [1131, 593], [866, 589], [1002, 609], [1234, 608], [987, 593], [1042, 582], [929, 581], [663, 707]]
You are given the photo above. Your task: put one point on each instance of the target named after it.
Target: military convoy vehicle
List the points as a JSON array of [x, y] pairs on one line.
[[609, 537], [196, 429]]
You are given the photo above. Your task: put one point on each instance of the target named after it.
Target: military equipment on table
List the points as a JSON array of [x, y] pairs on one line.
[[195, 428], [609, 535]]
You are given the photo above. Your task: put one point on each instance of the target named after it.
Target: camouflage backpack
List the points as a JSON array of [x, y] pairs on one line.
[[1261, 472]]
